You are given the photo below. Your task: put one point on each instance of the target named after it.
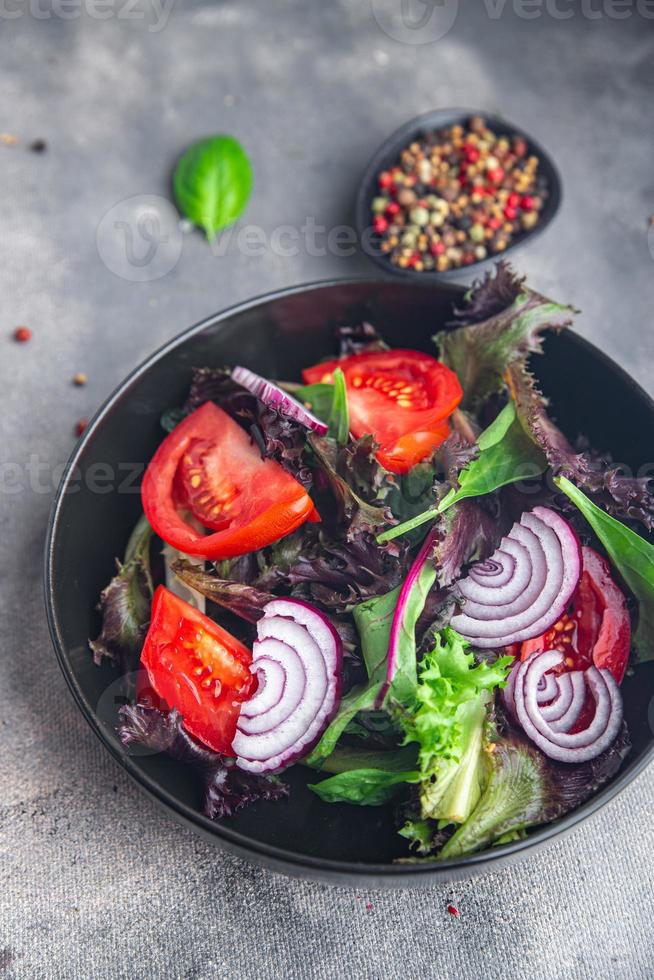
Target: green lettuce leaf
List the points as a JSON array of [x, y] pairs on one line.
[[525, 789], [631, 555], [365, 787], [447, 722]]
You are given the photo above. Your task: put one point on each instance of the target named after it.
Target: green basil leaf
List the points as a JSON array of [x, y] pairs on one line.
[[212, 183], [633, 557], [364, 787], [506, 454]]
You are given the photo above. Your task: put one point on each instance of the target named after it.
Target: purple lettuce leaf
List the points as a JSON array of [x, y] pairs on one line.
[[246, 601], [466, 532], [124, 604], [624, 497], [227, 789], [239, 598], [525, 789], [359, 338], [338, 571], [481, 351], [353, 511]]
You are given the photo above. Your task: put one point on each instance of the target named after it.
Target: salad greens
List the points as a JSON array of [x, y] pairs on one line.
[[447, 721], [506, 455], [503, 322], [422, 723], [226, 788], [365, 787]]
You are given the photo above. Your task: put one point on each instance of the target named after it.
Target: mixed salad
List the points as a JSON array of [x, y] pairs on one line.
[[399, 574]]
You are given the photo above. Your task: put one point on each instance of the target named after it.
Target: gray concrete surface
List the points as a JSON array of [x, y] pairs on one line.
[[94, 882]]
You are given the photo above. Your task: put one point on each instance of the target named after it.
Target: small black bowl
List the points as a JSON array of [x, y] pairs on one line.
[[388, 155], [94, 513]]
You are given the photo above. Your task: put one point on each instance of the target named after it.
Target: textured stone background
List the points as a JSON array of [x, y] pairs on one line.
[[94, 882]]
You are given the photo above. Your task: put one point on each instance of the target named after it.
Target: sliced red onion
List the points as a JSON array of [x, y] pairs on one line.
[[547, 688], [492, 573], [273, 396], [553, 737], [563, 712], [271, 682], [543, 557], [297, 659]]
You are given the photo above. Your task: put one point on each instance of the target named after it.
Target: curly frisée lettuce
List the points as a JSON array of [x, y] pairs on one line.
[[447, 721]]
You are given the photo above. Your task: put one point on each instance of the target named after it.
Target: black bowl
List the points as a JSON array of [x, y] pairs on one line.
[[277, 336], [388, 155]]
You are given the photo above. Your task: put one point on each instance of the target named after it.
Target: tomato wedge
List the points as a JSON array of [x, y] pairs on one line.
[[401, 397], [208, 472], [198, 668], [596, 628]]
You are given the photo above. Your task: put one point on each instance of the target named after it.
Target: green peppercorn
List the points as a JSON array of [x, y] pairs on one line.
[[419, 216]]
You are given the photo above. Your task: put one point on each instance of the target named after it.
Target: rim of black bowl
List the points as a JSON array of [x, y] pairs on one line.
[[387, 155], [269, 855]]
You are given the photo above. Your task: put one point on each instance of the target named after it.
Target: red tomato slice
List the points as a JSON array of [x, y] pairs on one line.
[[209, 470], [198, 668], [402, 397], [596, 628]]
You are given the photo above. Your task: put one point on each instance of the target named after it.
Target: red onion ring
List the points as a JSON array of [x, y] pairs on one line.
[[545, 571], [273, 396], [548, 688], [298, 657], [563, 712], [560, 744]]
